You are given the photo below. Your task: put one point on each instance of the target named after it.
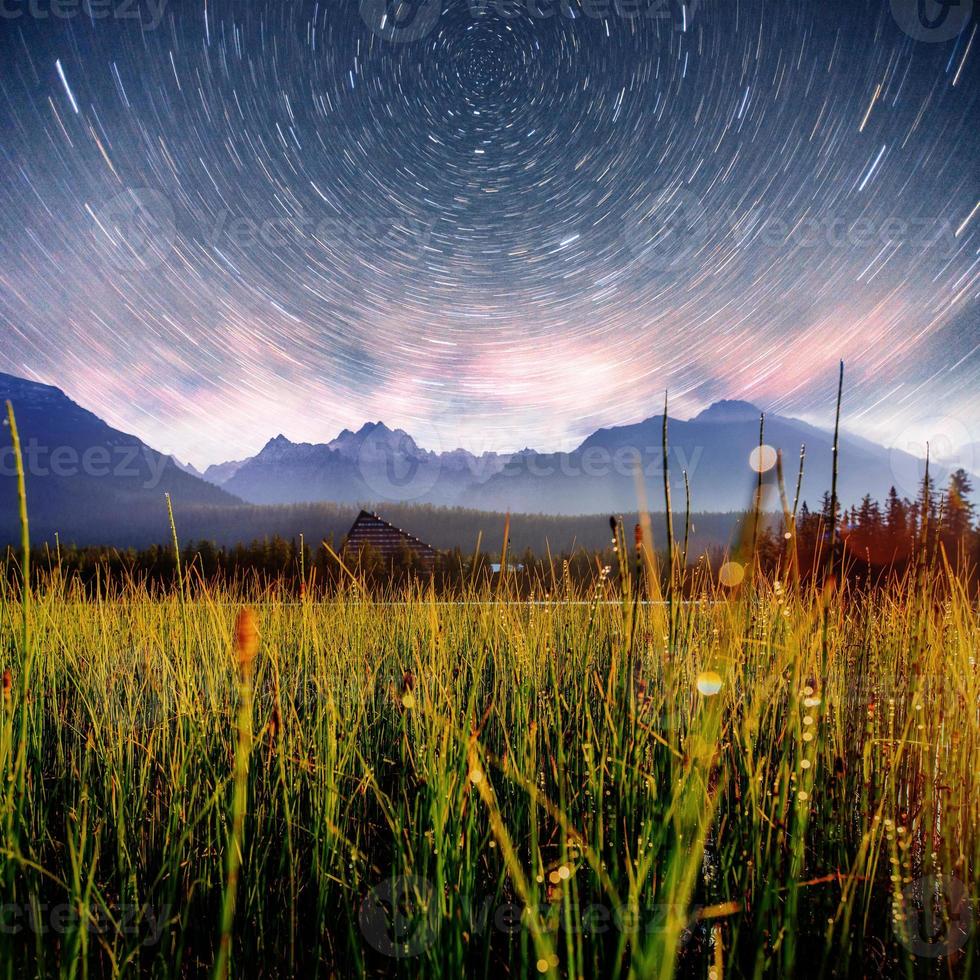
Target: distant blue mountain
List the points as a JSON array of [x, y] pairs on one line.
[[85, 479], [718, 450]]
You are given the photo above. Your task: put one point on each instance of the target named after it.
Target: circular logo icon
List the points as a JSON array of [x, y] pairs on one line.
[[933, 21], [934, 916], [948, 443], [141, 226], [399, 917], [401, 21], [668, 237], [394, 467]]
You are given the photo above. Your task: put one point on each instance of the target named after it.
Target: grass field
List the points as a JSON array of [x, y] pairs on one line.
[[764, 778], [481, 787]]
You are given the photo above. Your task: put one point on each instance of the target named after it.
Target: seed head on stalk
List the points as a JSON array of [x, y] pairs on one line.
[[246, 640], [246, 647]]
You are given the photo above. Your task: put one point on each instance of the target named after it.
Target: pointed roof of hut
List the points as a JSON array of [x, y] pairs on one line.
[[370, 530]]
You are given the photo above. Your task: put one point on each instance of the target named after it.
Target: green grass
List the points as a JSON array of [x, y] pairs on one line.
[[542, 787], [770, 779]]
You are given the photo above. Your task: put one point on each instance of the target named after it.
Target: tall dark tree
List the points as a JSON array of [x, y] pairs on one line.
[[896, 515], [959, 514]]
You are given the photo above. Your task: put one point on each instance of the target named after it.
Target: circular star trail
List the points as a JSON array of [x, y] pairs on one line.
[[492, 224]]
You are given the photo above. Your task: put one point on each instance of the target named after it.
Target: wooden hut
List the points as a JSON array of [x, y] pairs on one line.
[[388, 541]]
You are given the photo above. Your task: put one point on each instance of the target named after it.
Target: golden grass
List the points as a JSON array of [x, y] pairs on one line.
[[563, 761]]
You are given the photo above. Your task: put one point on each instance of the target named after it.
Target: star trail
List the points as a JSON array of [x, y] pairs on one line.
[[491, 224]]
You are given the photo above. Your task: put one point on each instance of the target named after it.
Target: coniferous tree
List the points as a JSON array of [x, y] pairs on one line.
[[896, 515], [959, 514]]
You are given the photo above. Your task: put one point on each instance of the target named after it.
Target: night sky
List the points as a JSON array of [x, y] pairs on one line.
[[230, 219]]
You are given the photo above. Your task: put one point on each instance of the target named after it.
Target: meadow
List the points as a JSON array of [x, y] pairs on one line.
[[668, 772], [761, 781]]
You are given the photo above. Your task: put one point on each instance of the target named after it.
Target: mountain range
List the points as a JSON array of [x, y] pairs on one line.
[[718, 450], [83, 474]]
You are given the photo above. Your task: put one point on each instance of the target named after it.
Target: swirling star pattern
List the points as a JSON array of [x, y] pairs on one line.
[[492, 224]]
